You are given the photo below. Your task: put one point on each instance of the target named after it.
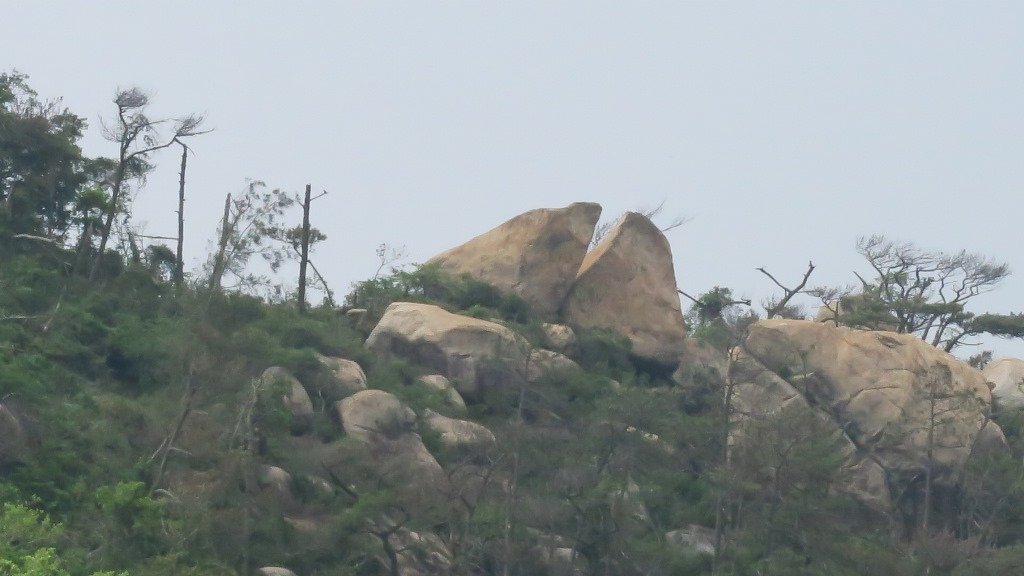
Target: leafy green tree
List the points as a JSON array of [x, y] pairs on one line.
[[42, 169]]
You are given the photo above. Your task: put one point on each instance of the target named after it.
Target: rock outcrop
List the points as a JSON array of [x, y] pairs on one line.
[[627, 283], [472, 353], [535, 255], [1007, 378], [887, 392]]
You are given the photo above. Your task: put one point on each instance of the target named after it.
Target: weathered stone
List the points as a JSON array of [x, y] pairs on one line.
[[991, 441], [558, 337], [627, 283], [274, 571], [535, 255], [296, 400], [1007, 378], [444, 386], [880, 388], [461, 435], [277, 481], [348, 377], [693, 538], [371, 413], [472, 353], [545, 364]]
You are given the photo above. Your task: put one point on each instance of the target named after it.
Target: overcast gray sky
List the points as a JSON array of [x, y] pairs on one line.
[[782, 129]]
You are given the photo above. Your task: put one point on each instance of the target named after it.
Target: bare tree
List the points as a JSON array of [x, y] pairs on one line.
[[137, 137], [603, 229], [780, 306], [305, 239]]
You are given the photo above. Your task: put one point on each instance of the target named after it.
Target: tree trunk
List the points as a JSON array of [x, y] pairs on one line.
[[115, 196], [225, 233], [179, 265], [304, 261]]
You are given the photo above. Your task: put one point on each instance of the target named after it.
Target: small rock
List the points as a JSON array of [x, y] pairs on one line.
[[698, 539], [459, 434], [296, 400], [444, 386], [349, 377], [274, 571], [545, 363], [1007, 377], [371, 413], [558, 337]]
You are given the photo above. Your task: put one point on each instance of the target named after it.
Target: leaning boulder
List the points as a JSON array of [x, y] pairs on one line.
[[472, 353], [375, 413], [535, 255], [1007, 378], [628, 283]]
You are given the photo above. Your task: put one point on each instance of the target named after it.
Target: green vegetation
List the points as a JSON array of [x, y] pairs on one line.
[[137, 437]]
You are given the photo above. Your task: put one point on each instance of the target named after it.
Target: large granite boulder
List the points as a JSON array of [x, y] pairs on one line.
[[889, 393], [759, 397], [1007, 378], [535, 255], [628, 283], [472, 353], [375, 413]]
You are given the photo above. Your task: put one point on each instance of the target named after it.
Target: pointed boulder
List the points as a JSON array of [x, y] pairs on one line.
[[628, 283], [535, 255]]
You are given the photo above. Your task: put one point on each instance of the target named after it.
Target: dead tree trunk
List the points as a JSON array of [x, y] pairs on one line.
[[225, 234], [179, 266], [304, 256]]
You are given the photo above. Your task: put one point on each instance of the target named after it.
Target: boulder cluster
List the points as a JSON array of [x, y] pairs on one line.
[[626, 283], [896, 406]]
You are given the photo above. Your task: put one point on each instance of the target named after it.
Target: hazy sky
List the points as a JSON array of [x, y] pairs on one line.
[[782, 129]]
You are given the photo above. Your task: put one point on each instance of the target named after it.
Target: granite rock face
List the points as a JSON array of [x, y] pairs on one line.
[[627, 283], [535, 255], [887, 393], [471, 353]]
